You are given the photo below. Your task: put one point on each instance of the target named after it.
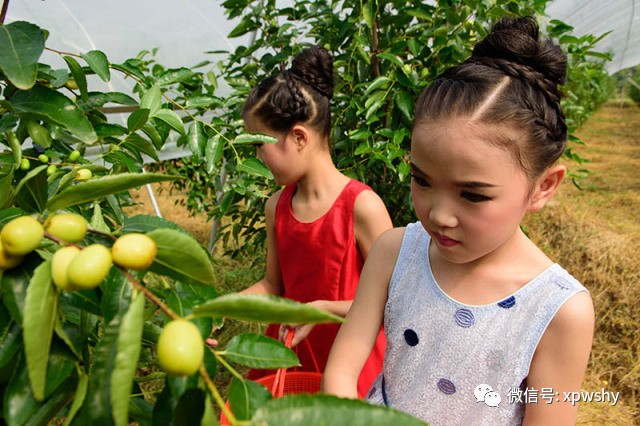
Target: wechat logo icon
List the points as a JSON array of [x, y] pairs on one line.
[[484, 393]]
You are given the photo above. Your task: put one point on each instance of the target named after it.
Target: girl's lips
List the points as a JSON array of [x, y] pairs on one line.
[[445, 241]]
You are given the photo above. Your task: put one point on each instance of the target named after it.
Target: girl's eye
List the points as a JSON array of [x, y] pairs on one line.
[[257, 144], [474, 197], [419, 181]]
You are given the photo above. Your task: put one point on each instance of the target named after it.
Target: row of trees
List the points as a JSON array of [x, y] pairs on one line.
[[84, 354]]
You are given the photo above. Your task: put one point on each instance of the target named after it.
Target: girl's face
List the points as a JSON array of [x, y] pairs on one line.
[[280, 157], [469, 194]]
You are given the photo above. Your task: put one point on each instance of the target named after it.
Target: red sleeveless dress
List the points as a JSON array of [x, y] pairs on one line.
[[321, 261]]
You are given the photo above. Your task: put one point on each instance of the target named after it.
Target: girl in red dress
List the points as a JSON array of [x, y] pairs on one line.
[[322, 224]]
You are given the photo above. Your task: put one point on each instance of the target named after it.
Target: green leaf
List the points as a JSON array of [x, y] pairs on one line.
[[116, 295], [203, 101], [21, 408], [197, 140], [100, 187], [129, 345], [190, 408], [263, 308], [380, 82], [31, 192], [172, 76], [181, 256], [254, 138], [22, 44], [14, 290], [121, 98], [52, 106], [10, 338], [144, 223], [305, 410], [99, 63], [257, 351], [39, 321], [152, 100], [78, 75], [171, 118], [79, 396], [15, 146], [136, 143], [96, 409], [245, 396], [97, 220], [5, 188], [404, 102], [137, 119], [369, 12], [394, 59], [213, 152], [254, 166], [245, 25]]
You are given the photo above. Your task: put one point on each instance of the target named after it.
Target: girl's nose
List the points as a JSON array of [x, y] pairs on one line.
[[442, 215]]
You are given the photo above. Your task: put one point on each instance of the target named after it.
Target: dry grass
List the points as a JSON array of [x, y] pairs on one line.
[[594, 234]]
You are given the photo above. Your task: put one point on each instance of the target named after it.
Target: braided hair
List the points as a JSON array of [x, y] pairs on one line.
[[512, 78], [300, 94]]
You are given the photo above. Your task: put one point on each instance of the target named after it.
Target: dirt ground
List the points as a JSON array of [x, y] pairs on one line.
[[168, 203]]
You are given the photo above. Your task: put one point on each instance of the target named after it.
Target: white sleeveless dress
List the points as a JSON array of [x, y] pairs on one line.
[[443, 357]]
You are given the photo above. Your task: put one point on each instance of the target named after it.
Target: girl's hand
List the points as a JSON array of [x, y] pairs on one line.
[[301, 331]]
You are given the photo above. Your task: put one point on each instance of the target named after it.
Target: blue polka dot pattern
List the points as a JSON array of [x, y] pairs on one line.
[[507, 303], [563, 283], [411, 337], [465, 318], [446, 386]]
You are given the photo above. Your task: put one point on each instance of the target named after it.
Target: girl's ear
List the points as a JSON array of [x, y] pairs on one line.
[[546, 186], [300, 136]]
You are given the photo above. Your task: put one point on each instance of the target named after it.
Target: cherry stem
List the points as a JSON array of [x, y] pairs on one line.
[[142, 288], [216, 395]]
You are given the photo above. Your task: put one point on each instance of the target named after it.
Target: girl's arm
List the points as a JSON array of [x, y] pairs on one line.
[[371, 219], [560, 361], [271, 283], [358, 334]]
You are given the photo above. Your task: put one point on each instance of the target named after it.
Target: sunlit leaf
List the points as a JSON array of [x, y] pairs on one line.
[[181, 256], [171, 118], [126, 362], [22, 44], [254, 138], [152, 100], [245, 396], [39, 321], [263, 308], [78, 75], [305, 410], [257, 351], [97, 188], [255, 167], [99, 63], [53, 107]]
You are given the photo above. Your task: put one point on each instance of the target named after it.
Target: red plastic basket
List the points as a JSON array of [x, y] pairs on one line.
[[285, 382]]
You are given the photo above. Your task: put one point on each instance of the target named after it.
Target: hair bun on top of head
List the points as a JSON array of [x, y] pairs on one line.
[[515, 42], [314, 67]]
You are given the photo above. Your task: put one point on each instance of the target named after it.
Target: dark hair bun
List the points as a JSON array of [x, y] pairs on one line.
[[314, 67], [516, 40]]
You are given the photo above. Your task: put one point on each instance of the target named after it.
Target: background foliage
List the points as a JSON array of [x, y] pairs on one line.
[[385, 52]]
